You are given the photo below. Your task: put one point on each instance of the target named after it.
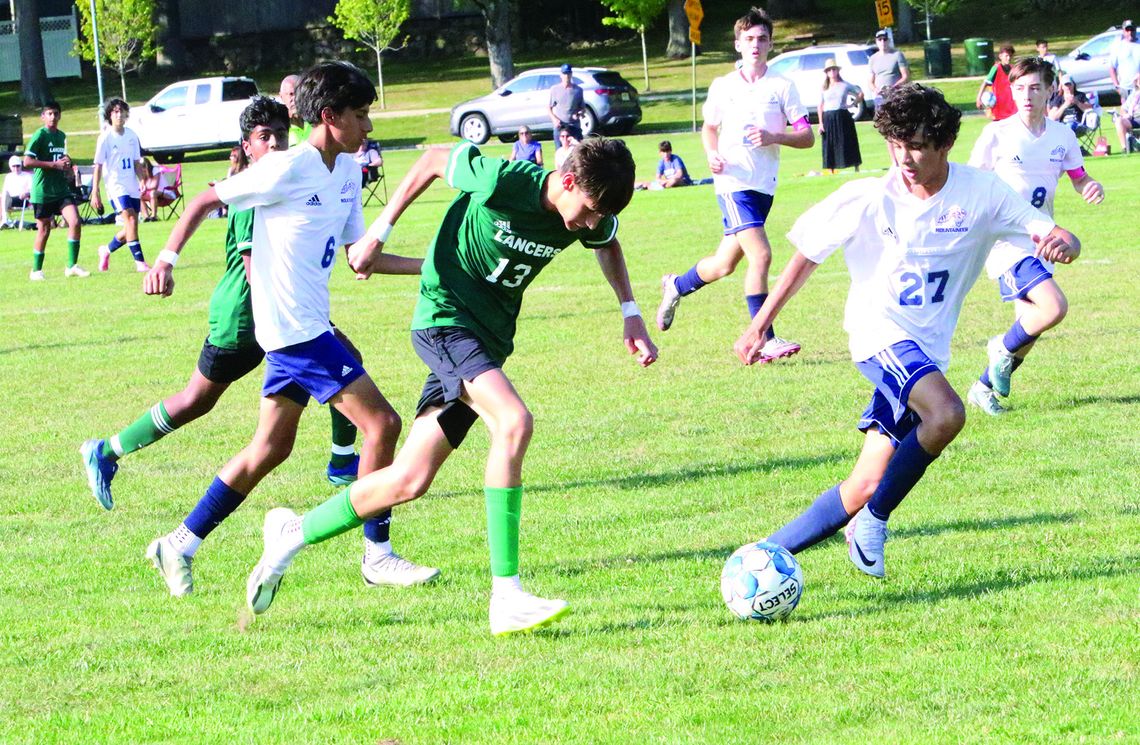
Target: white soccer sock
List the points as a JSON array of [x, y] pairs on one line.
[[506, 585], [183, 541], [374, 551], [292, 541]]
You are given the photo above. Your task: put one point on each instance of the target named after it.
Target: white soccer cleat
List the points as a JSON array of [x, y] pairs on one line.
[[395, 571], [173, 566], [36, 275], [104, 258], [76, 271], [265, 579], [141, 267], [520, 612], [1000, 365], [866, 535], [984, 398], [670, 299], [777, 348]]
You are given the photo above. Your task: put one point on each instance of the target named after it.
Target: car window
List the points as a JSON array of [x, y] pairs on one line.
[[814, 61], [524, 84], [202, 93], [172, 98], [546, 82], [859, 57], [238, 90], [610, 79], [1098, 47], [784, 66]]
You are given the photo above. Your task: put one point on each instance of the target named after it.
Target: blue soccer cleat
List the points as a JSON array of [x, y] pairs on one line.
[[984, 398], [1000, 365], [344, 475], [100, 471]]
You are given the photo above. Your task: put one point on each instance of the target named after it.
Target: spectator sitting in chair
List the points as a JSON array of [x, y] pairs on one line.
[[671, 170], [566, 143], [370, 160], [17, 192], [1070, 106], [157, 191], [1127, 117], [525, 147]]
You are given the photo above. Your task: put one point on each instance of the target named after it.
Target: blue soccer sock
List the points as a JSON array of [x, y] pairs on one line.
[[819, 521], [1016, 338], [754, 303], [114, 245], [903, 471], [214, 507], [690, 282], [378, 529], [136, 250]]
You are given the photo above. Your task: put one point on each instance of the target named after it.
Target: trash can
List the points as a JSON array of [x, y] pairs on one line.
[[937, 53], [979, 56]]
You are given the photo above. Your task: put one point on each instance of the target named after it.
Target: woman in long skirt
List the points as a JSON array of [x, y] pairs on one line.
[[836, 125]]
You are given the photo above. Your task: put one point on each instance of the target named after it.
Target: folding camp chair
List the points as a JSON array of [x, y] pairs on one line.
[[84, 178], [170, 207], [1088, 130], [374, 185]]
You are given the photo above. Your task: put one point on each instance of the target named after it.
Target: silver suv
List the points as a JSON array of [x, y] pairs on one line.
[[610, 105]]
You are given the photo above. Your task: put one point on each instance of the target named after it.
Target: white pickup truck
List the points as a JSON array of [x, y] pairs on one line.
[[192, 115]]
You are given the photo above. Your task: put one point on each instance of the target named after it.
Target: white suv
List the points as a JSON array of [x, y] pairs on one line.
[[804, 68], [189, 115]]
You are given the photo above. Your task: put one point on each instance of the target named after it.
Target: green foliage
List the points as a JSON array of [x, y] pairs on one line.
[[637, 15], [373, 23], [127, 34]]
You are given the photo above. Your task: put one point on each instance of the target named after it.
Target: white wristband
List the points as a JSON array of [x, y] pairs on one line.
[[168, 256], [380, 231], [629, 309]]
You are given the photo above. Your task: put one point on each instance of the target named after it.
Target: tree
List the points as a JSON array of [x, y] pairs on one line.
[[497, 32], [678, 46], [636, 15], [373, 23], [127, 32], [34, 90]]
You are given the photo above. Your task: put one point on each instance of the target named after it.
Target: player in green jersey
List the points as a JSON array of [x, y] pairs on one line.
[[52, 192], [508, 221]]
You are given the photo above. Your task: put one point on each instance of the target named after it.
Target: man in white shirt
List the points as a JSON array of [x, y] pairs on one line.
[[914, 241], [1124, 60], [307, 206], [17, 191], [118, 156], [746, 115], [1030, 152]]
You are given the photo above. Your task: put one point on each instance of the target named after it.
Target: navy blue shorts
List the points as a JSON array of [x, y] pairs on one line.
[[742, 210], [1026, 274], [893, 372], [321, 368], [453, 354], [124, 203]]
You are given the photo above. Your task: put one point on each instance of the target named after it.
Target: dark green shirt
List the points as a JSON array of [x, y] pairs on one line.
[[231, 310], [48, 184]]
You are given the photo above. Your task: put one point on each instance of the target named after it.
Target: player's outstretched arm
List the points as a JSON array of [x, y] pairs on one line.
[[793, 277], [635, 334], [1058, 245], [160, 279]]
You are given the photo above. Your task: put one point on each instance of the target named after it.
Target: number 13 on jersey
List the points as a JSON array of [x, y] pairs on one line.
[[520, 272]]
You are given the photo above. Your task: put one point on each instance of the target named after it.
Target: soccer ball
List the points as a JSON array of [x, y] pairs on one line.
[[761, 582], [989, 100]]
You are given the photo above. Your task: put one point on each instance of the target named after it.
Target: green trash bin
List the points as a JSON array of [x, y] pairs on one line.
[[979, 56], [937, 53]]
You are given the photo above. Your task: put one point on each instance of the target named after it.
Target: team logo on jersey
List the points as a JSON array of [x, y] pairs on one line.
[[314, 201], [503, 225], [951, 221], [348, 192], [1057, 154], [522, 245], [1016, 160]]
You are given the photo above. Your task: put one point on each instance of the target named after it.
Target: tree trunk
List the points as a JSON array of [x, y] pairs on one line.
[[497, 18], [123, 81], [171, 51], [380, 78], [644, 59], [904, 33], [678, 46], [34, 90]]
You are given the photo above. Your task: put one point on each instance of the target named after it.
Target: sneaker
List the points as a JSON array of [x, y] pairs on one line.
[[984, 398], [520, 612], [76, 271], [173, 566], [344, 475], [670, 298], [100, 471], [264, 581], [104, 258], [141, 266], [866, 535], [1001, 365], [776, 348], [396, 571], [37, 275]]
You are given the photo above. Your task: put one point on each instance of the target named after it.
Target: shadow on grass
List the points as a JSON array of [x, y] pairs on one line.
[[1094, 400], [70, 345]]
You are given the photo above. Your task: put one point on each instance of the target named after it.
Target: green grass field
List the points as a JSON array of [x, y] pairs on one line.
[[1010, 612]]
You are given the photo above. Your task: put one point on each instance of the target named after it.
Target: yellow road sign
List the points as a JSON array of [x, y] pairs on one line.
[[885, 13], [695, 13]]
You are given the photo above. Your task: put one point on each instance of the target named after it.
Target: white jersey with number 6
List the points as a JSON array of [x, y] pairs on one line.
[[305, 213], [1031, 165], [912, 260]]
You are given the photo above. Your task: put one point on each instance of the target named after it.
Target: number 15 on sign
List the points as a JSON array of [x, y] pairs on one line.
[[885, 13]]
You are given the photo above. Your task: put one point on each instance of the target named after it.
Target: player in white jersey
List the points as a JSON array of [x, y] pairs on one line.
[[914, 241], [307, 204], [1030, 152], [118, 156], [746, 115]]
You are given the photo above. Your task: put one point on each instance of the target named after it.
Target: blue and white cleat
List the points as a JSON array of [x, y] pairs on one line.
[[520, 613], [100, 471], [866, 535], [344, 475], [984, 398], [265, 579], [1001, 365]]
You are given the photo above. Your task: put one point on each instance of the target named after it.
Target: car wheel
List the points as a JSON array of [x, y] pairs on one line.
[[474, 128], [588, 122]]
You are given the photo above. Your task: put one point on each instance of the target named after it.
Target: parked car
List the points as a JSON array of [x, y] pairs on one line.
[[610, 102], [1088, 65], [804, 68], [192, 115]]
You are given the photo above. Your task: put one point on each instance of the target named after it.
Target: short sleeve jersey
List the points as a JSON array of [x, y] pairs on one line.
[[887, 68], [305, 213], [736, 105], [911, 260], [1031, 166], [118, 153], [49, 185], [231, 306], [494, 240]]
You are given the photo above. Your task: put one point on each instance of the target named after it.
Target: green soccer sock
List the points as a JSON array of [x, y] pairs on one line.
[[72, 253], [37, 261], [343, 439], [146, 430], [504, 513], [330, 519]]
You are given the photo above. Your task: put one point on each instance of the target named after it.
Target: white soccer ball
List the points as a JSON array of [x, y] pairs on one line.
[[761, 582], [989, 100]]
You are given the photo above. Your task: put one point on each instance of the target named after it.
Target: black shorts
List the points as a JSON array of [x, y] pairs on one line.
[[47, 210], [453, 354], [220, 365]]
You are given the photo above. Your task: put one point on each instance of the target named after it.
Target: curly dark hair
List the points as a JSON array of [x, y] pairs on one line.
[[262, 111], [912, 107], [332, 85], [604, 169], [110, 105]]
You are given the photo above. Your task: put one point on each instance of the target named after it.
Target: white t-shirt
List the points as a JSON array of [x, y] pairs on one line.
[[1031, 166], [16, 185], [118, 153], [911, 260], [304, 215], [1125, 57], [735, 105]]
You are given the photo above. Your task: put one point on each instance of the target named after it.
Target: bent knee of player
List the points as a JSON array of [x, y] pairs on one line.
[[382, 426], [857, 490], [946, 421], [515, 425]]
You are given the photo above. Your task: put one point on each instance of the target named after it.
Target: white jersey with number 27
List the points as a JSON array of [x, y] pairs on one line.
[[913, 260]]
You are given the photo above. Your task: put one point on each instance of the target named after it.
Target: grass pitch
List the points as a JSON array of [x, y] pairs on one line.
[[1010, 611]]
